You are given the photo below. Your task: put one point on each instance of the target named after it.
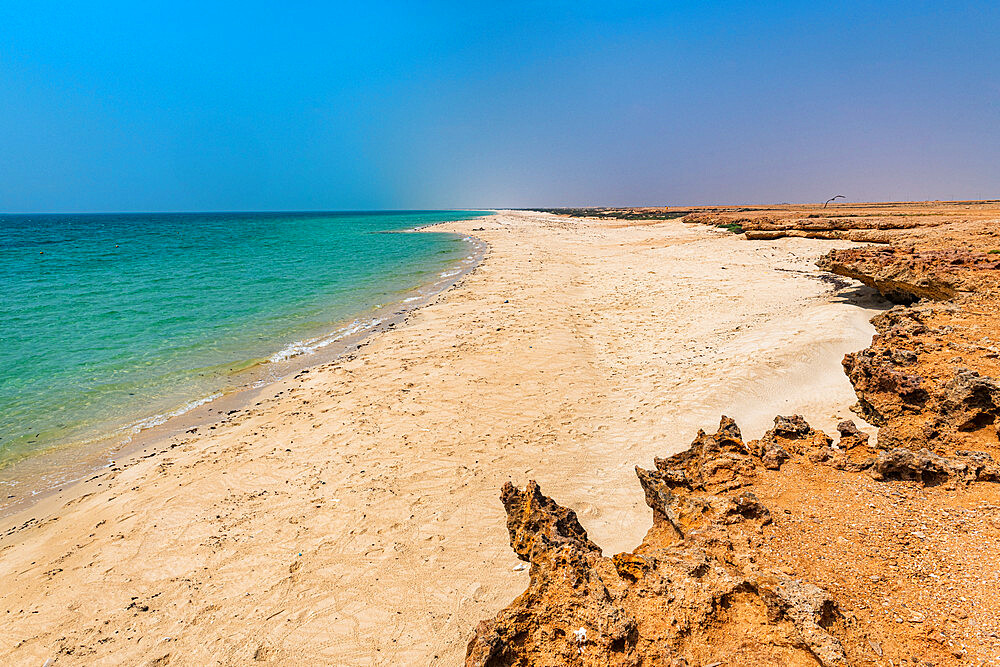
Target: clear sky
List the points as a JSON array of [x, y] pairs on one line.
[[119, 106]]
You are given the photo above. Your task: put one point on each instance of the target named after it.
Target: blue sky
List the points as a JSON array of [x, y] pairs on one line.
[[122, 106]]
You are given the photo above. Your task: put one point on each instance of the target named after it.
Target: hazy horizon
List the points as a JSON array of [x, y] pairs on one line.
[[177, 107], [677, 206]]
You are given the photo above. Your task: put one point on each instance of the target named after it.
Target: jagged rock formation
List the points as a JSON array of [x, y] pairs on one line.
[[711, 582], [688, 593]]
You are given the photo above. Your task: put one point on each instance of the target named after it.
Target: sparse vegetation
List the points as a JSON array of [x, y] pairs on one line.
[[994, 252], [734, 227]]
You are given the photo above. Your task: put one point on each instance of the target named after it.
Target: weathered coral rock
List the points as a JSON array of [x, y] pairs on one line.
[[911, 383], [852, 452], [687, 595], [905, 275], [792, 435], [970, 400], [711, 583], [539, 527], [929, 468], [927, 378], [850, 436]]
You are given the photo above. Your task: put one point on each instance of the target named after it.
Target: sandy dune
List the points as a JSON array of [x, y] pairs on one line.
[[352, 515]]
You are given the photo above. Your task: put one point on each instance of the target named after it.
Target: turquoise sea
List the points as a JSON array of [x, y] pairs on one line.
[[110, 322]]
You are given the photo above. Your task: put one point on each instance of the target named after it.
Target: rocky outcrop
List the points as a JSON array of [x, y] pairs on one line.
[[867, 223], [539, 527], [687, 596], [705, 586], [906, 275], [928, 378]]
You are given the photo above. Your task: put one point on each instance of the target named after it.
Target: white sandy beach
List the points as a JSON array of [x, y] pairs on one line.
[[352, 517]]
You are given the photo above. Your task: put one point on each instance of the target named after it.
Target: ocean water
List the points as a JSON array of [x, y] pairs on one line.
[[108, 323]]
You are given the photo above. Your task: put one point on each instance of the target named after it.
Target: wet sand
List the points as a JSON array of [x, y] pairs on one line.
[[350, 514]]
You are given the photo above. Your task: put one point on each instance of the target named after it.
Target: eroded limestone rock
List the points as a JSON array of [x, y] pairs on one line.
[[707, 585], [687, 595]]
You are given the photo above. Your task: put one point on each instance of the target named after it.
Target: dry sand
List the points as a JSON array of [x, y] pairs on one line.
[[351, 516]]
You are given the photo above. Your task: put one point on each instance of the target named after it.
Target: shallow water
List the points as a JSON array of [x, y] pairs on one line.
[[109, 323]]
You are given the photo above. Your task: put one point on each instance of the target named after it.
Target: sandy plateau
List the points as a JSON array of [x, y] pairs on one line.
[[352, 514]]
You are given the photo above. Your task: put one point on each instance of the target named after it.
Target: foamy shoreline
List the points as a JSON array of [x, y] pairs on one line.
[[44, 472], [349, 514]]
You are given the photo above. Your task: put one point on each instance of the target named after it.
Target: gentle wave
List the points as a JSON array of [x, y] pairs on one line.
[[299, 348], [156, 420], [58, 477]]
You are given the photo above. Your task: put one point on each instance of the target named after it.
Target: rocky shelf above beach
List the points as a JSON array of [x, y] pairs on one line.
[[872, 223]]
